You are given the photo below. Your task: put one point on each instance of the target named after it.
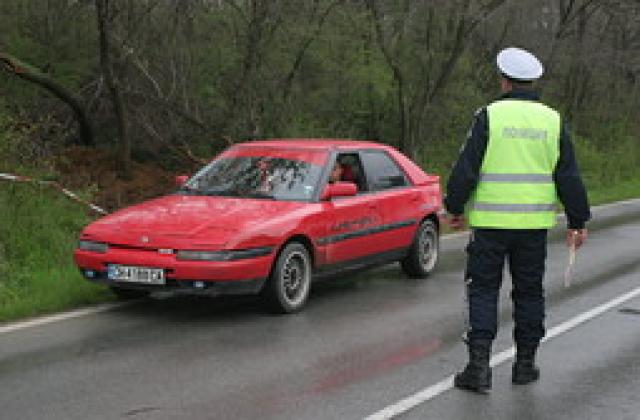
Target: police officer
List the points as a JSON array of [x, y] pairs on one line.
[[517, 161]]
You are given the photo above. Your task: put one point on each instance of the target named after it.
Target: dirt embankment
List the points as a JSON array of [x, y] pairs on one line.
[[82, 168]]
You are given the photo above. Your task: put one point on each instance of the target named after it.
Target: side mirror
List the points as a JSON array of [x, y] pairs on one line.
[[430, 180], [181, 180], [339, 189]]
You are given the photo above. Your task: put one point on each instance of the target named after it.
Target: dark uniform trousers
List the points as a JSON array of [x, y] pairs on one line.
[[526, 251]]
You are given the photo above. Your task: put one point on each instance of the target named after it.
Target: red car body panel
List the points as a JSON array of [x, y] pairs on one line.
[[337, 231]]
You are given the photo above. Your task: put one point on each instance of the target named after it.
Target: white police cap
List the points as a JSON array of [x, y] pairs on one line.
[[519, 64]]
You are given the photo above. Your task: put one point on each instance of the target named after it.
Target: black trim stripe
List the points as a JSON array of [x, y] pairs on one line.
[[364, 232]]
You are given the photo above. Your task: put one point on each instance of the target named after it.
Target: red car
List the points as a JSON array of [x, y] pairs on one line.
[[268, 217]]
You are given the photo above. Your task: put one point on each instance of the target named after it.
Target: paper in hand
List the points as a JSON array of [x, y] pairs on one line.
[[568, 272]]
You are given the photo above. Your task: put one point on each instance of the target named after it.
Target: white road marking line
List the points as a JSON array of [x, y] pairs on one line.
[[446, 384], [76, 313]]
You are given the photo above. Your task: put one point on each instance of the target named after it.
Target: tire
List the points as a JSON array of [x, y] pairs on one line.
[[287, 288], [128, 294], [424, 252]]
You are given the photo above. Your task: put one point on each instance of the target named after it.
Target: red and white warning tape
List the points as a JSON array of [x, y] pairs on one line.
[[54, 185]]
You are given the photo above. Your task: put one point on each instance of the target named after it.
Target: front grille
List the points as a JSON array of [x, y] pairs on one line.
[[133, 247]]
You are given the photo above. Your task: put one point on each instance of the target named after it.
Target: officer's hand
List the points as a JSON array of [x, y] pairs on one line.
[[576, 237], [456, 221]]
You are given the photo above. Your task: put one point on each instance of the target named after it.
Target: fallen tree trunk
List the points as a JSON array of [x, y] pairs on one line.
[[29, 73]]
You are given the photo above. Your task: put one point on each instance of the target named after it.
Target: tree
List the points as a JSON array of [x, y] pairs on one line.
[[422, 72], [105, 16]]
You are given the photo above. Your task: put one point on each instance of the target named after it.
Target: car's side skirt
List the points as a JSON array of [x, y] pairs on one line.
[[361, 263]]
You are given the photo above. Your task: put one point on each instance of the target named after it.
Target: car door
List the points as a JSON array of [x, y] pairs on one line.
[[398, 201], [351, 226], [352, 223]]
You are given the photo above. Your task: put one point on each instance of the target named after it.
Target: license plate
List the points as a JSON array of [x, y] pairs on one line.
[[131, 274]]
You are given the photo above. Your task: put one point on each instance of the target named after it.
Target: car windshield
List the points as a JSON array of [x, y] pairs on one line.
[[259, 174]]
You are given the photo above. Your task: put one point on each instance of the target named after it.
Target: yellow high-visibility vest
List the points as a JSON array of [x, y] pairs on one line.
[[516, 188]]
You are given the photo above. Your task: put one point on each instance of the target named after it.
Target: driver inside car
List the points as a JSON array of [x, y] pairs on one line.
[[336, 173]]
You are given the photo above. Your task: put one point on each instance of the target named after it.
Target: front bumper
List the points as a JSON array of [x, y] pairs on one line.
[[200, 277], [188, 287]]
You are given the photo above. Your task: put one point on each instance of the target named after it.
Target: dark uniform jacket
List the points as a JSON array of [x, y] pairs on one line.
[[466, 172]]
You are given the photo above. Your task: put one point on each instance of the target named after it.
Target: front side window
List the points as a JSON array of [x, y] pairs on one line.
[[382, 171], [257, 175]]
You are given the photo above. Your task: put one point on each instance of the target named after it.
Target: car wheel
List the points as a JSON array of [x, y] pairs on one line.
[[287, 288], [423, 255], [128, 294]]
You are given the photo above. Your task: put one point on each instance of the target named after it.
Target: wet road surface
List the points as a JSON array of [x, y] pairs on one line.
[[363, 343]]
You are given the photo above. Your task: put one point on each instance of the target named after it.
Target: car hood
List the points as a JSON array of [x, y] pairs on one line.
[[180, 219]]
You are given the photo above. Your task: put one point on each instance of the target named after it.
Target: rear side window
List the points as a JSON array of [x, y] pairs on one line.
[[382, 172]]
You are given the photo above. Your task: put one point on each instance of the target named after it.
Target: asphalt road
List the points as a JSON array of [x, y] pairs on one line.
[[363, 343]]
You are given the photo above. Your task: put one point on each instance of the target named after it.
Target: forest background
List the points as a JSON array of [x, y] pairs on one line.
[[112, 98]]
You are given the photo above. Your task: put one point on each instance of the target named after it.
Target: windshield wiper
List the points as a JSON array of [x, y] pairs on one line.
[[188, 191], [210, 192], [221, 193], [258, 194], [227, 193]]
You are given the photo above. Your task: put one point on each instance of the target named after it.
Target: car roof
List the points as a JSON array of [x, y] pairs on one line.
[[318, 144], [416, 173]]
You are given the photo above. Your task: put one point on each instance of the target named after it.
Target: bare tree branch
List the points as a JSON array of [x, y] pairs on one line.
[[303, 49]]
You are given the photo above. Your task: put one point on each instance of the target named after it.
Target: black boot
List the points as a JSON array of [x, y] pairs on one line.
[[477, 375], [524, 369]]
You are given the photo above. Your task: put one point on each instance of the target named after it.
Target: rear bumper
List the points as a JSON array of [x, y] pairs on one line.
[[199, 277]]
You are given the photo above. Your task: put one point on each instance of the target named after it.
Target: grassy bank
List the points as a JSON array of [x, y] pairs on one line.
[[37, 236], [622, 190], [610, 168]]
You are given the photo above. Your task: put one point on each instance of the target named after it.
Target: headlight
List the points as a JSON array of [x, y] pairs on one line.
[[93, 246], [202, 255], [239, 254]]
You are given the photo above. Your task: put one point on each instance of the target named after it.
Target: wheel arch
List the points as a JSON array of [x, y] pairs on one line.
[[434, 218], [271, 290], [304, 240]]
